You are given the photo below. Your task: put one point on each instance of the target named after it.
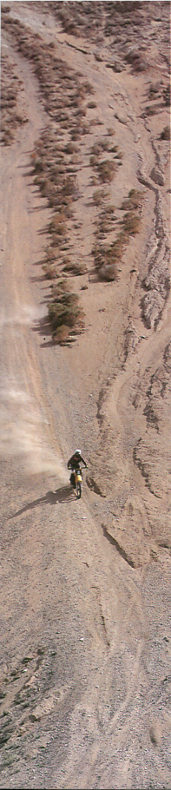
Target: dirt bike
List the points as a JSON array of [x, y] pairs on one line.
[[76, 480]]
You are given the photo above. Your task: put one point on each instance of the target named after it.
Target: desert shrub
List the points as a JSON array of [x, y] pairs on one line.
[[99, 256], [75, 134], [48, 189], [166, 95], [59, 288], [93, 160], [65, 310], [10, 117], [106, 219], [68, 187], [119, 155], [106, 170], [134, 200], [151, 110], [95, 122], [165, 134], [136, 59], [108, 272], [154, 90], [70, 148], [98, 196], [104, 145], [63, 91], [57, 226], [61, 334], [75, 268], [50, 254], [114, 149], [80, 113], [106, 258], [91, 105], [57, 219], [39, 181], [38, 164], [117, 248], [88, 87], [74, 160], [95, 150], [131, 223], [50, 271]]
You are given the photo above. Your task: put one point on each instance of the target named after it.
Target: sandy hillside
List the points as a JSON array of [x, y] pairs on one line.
[[85, 361]]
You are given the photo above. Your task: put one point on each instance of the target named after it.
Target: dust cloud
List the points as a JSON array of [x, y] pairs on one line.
[[25, 433], [25, 315]]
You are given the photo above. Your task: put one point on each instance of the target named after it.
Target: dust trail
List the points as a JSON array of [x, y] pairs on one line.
[[25, 315], [25, 433]]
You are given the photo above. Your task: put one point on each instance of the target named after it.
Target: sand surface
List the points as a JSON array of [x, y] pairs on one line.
[[85, 585]]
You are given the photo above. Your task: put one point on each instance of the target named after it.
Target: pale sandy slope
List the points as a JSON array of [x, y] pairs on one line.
[[91, 707]]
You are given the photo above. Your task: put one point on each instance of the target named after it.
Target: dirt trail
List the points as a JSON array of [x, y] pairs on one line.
[[84, 585]]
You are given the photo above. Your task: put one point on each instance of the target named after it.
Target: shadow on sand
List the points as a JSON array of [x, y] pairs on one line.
[[63, 494]]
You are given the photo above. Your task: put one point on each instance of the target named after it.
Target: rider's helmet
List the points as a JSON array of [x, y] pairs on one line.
[[77, 452]]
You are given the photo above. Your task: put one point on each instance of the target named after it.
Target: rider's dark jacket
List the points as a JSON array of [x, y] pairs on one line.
[[75, 461]]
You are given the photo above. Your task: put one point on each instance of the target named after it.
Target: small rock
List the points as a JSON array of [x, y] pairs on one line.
[[34, 717], [155, 734]]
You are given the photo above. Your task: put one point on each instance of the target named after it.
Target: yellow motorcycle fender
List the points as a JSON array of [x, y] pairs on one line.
[[78, 477]]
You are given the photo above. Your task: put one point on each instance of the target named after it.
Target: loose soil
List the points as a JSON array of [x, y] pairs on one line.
[[85, 585]]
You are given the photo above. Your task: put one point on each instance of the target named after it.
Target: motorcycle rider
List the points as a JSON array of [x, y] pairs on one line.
[[74, 464]]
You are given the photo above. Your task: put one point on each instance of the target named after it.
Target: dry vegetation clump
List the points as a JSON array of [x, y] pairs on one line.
[[119, 245], [105, 169], [71, 148], [108, 272], [108, 257], [11, 116], [98, 197], [56, 185], [98, 21], [63, 89], [61, 335], [135, 57], [65, 315], [154, 90], [134, 200], [131, 223], [165, 134], [132, 218], [105, 221], [91, 105], [160, 96], [64, 92], [166, 95], [77, 269], [50, 271], [105, 263], [76, 19]]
